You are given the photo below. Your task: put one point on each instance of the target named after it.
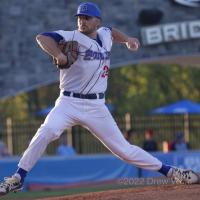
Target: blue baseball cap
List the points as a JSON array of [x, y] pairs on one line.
[[89, 9]]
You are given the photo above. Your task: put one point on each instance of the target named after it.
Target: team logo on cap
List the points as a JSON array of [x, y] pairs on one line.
[[189, 3], [84, 8]]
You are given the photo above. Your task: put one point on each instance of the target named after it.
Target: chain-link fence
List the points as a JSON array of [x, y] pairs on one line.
[[17, 134]]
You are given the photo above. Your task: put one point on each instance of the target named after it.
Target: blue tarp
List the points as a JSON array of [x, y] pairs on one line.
[[180, 107], [72, 170]]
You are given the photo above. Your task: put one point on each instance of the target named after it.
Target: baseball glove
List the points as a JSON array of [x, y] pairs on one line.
[[70, 49]]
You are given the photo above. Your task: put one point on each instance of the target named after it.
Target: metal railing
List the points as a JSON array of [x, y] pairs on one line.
[[17, 134]]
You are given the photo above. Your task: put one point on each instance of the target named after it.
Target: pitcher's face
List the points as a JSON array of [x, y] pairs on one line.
[[87, 25]]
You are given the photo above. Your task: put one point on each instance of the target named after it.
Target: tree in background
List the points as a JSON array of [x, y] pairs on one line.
[[24, 106], [14, 107], [139, 88], [135, 89]]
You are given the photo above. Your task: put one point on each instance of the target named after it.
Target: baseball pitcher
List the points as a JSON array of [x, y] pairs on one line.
[[83, 57]]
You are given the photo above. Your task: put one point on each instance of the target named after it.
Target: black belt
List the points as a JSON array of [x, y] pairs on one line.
[[84, 96]]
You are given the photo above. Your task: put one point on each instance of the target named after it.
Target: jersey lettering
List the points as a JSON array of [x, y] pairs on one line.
[[94, 55]]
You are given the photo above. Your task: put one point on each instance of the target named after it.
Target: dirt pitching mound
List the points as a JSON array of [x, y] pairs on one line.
[[178, 192]]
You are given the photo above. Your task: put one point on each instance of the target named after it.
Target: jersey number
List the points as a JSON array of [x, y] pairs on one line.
[[105, 71]]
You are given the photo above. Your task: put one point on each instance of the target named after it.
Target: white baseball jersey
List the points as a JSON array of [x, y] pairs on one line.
[[90, 72], [87, 75]]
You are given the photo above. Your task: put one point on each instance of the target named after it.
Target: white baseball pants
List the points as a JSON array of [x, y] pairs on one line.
[[94, 115]]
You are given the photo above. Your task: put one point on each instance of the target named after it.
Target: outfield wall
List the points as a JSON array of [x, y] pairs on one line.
[[59, 171]]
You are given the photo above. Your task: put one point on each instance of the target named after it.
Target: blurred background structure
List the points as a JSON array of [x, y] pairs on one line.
[[165, 70], [169, 33]]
